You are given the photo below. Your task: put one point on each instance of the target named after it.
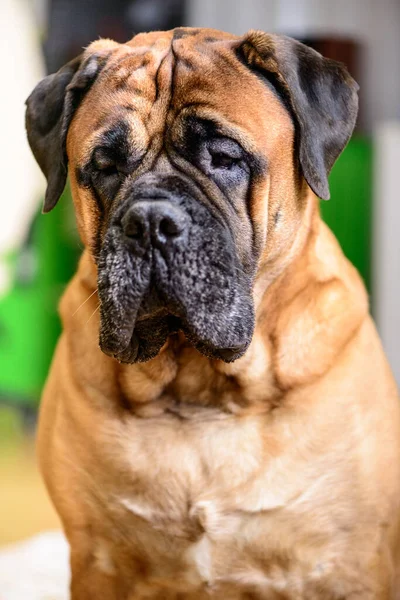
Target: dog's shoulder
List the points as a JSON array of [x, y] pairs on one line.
[[318, 311]]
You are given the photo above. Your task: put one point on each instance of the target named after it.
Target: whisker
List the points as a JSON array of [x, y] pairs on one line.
[[93, 313], [84, 302]]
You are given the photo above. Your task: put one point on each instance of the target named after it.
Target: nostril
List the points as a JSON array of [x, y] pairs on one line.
[[157, 223], [134, 225], [134, 229], [168, 227]]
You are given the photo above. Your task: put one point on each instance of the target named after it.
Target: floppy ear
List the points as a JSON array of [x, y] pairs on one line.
[[50, 109], [320, 94]]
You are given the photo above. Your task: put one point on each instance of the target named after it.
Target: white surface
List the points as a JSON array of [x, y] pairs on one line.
[[386, 266], [22, 68], [36, 569]]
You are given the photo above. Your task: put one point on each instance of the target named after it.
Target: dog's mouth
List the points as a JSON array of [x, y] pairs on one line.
[[144, 300], [140, 339], [149, 334], [143, 335], [155, 282]]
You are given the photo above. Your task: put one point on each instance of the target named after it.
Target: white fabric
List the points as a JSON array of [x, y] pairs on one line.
[[21, 183], [36, 569]]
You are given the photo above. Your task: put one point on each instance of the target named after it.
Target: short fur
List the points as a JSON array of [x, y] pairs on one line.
[[246, 442]]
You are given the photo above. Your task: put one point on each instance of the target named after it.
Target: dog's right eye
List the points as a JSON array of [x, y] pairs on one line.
[[110, 171], [106, 173], [104, 163]]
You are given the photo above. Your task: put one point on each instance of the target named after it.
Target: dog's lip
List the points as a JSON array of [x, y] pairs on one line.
[[226, 354], [129, 353], [170, 316], [229, 354], [120, 352], [160, 312], [132, 347]]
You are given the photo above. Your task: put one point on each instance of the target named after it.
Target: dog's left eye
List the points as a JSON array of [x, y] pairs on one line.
[[220, 160], [224, 154]]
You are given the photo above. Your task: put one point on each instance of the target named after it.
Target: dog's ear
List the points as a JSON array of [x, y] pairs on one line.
[[50, 109], [320, 94]]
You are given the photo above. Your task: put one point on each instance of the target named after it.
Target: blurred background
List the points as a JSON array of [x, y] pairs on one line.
[[38, 253]]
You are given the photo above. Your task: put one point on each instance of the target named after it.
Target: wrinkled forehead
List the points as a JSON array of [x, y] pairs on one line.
[[159, 79]]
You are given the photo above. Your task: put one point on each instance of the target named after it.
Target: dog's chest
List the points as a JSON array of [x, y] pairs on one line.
[[197, 499], [187, 475]]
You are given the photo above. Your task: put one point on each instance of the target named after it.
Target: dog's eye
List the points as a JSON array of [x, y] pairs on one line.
[[224, 153], [109, 171], [104, 163], [220, 160]]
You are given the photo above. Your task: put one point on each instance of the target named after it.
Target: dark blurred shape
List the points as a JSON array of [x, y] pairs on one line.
[[73, 24], [346, 50]]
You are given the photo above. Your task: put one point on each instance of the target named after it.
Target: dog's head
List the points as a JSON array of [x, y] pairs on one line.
[[187, 153]]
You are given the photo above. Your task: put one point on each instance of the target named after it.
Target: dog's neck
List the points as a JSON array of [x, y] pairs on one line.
[[305, 314]]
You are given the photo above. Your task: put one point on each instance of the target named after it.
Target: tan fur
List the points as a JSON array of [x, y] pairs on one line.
[[276, 476]]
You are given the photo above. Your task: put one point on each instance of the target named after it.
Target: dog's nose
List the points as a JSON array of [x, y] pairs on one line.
[[155, 221]]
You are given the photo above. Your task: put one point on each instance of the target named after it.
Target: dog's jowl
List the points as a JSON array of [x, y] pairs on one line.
[[219, 420]]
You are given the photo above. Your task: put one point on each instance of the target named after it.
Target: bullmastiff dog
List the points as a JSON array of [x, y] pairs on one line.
[[220, 420]]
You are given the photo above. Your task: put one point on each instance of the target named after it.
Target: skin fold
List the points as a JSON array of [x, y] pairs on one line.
[[220, 420]]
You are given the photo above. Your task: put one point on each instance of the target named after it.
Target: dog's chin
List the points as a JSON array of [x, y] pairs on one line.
[[150, 334]]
